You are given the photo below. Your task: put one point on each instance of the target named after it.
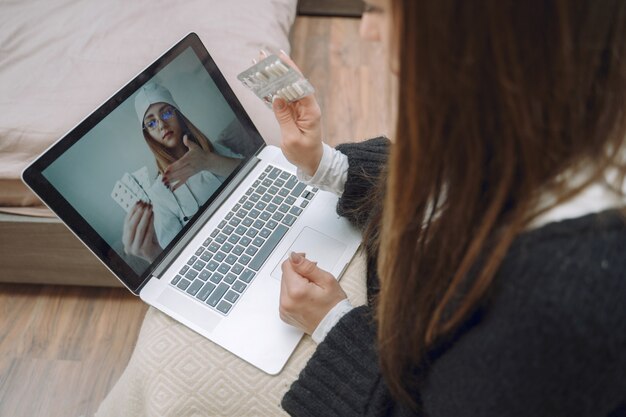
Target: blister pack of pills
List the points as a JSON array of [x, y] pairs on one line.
[[131, 188], [272, 77]]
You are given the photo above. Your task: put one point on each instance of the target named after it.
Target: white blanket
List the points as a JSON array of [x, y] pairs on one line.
[[60, 59], [176, 372]]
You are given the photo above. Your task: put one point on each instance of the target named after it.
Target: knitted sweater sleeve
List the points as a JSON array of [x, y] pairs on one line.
[[366, 163], [342, 377]]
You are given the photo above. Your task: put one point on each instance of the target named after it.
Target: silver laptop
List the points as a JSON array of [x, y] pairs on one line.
[[218, 239]]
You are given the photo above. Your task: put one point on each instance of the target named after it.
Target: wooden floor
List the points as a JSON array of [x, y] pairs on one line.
[[63, 348]]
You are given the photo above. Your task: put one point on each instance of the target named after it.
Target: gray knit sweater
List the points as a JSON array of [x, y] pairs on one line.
[[551, 340]]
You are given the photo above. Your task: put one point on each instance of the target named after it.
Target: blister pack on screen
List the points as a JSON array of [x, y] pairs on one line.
[[272, 77]]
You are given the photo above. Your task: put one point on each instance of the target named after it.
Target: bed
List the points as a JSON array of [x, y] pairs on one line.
[[60, 59]]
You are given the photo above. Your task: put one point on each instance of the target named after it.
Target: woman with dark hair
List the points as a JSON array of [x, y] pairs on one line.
[[494, 223], [190, 170]]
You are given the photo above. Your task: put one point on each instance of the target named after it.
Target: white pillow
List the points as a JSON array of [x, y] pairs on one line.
[[60, 59]]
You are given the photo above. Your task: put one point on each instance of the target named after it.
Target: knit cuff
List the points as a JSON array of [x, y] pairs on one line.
[[366, 162], [342, 374]]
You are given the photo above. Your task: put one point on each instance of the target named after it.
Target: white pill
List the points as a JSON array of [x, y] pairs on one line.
[[261, 77], [288, 94], [293, 92], [299, 90], [268, 72], [283, 68]]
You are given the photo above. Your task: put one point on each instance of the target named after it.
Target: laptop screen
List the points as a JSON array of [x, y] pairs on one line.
[[134, 176]]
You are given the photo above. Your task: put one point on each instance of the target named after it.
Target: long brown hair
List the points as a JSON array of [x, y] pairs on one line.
[[162, 155], [496, 99]]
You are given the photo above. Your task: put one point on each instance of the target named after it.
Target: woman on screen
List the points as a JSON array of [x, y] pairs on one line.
[[190, 170]]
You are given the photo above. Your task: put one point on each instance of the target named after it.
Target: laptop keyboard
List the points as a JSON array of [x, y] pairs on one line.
[[229, 259]]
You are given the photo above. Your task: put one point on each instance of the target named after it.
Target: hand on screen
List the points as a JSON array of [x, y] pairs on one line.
[[195, 160], [139, 236], [301, 129]]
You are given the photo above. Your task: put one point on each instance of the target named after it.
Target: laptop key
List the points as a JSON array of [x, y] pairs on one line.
[[199, 265], [219, 257], [275, 173], [233, 239], [244, 259], [206, 256], [176, 279], [195, 287], [191, 274], [247, 276], [230, 278], [224, 307], [267, 249], [216, 278], [205, 291], [199, 251], [217, 294], [183, 284], [239, 286], [284, 192], [291, 182], [227, 247], [238, 250], [289, 220], [297, 190], [258, 242], [230, 260], [237, 269], [231, 296], [251, 251], [265, 233], [192, 260], [224, 268], [212, 266], [183, 270], [266, 198], [204, 275]]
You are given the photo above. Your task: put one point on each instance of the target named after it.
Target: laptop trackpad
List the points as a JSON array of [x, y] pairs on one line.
[[317, 246]]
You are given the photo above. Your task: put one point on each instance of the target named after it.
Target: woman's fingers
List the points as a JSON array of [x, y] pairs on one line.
[[143, 226], [130, 225], [283, 55]]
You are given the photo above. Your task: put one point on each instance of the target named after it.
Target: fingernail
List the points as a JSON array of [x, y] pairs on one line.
[[253, 61], [262, 52], [296, 258], [278, 103], [283, 52]]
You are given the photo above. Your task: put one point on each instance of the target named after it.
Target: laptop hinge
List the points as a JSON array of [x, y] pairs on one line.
[[201, 221]]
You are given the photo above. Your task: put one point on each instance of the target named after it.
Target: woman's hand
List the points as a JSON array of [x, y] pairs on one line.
[[195, 160], [301, 129], [307, 293], [139, 236]]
